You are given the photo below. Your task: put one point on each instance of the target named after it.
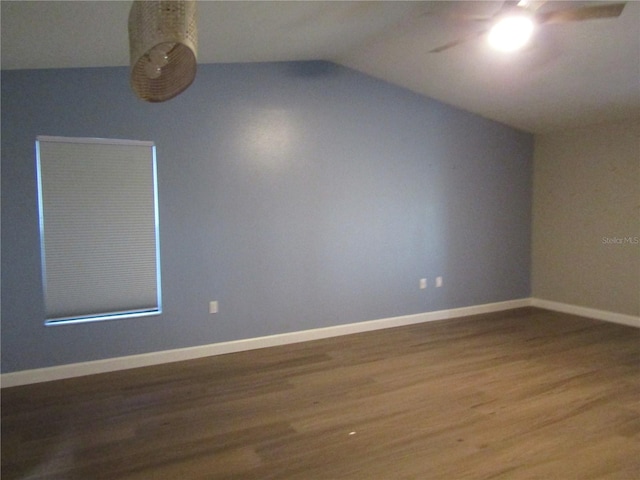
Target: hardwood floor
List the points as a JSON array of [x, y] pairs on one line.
[[521, 394]]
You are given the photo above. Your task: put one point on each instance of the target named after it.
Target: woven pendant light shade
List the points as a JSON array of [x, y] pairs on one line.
[[163, 41]]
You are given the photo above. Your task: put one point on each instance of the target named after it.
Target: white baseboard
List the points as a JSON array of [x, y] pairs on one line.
[[621, 318], [155, 358]]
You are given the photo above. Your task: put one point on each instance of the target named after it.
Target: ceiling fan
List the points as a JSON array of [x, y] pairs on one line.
[[513, 24]]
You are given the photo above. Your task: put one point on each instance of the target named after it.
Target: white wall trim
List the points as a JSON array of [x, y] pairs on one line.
[[613, 317], [60, 372]]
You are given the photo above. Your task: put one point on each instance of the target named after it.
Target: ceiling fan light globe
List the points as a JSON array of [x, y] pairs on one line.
[[511, 33]]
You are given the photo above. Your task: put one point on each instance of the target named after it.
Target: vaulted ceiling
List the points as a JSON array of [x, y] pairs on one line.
[[572, 74]]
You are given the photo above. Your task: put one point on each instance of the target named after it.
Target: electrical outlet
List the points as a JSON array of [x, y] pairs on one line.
[[423, 283], [438, 282], [213, 307]]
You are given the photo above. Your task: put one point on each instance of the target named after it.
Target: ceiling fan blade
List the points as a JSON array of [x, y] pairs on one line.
[[531, 5], [460, 41], [584, 13], [507, 4]]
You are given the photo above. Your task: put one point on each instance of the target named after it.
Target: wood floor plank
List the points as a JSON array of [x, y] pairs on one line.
[[520, 394]]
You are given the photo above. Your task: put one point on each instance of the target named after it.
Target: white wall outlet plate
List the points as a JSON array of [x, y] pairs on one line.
[[213, 307]]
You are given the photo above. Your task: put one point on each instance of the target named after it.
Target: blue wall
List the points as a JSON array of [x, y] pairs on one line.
[[298, 195]]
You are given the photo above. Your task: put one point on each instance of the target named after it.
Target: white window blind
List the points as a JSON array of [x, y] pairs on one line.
[[98, 228]]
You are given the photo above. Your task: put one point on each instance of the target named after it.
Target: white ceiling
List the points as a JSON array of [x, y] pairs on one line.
[[572, 74]]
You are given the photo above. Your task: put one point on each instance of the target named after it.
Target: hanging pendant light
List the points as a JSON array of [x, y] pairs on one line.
[[163, 42]]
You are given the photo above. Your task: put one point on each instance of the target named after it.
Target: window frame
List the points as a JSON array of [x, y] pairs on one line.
[[100, 315]]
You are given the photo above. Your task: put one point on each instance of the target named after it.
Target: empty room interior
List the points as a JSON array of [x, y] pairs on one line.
[[320, 240]]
